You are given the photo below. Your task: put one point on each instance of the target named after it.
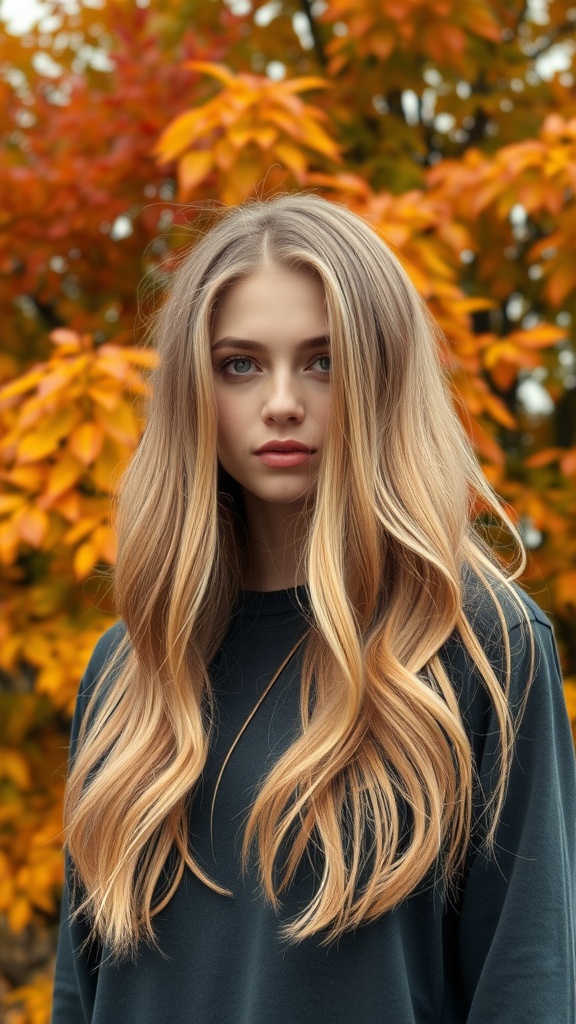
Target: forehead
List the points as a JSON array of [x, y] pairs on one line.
[[288, 300]]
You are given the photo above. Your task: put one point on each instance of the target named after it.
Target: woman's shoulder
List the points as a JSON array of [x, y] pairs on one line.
[[491, 605], [513, 633], [104, 651]]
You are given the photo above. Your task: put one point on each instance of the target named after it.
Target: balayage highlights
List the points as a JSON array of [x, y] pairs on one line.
[[380, 779]]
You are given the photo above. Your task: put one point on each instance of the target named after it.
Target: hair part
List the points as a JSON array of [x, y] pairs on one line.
[[381, 728]]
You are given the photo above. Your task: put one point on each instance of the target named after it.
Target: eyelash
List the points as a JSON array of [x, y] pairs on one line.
[[243, 359]]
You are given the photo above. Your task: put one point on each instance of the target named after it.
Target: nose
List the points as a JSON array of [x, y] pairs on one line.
[[282, 401]]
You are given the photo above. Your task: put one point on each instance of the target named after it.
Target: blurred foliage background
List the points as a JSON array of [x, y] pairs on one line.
[[451, 126]]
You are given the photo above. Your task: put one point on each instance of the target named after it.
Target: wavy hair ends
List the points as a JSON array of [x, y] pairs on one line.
[[380, 723]]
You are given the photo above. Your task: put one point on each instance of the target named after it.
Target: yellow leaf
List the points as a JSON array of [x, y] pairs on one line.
[[566, 591], [80, 530], [15, 767], [120, 424], [542, 458], [39, 443], [265, 136], [85, 558], [498, 411], [10, 502], [19, 914], [315, 137], [225, 156], [29, 478], [86, 442], [282, 120], [304, 83], [107, 397], [68, 505], [32, 526], [108, 467], [22, 384], [193, 168], [62, 336], [219, 71], [292, 157], [561, 282], [542, 336], [63, 475], [180, 134], [105, 540], [50, 679], [146, 357], [568, 462]]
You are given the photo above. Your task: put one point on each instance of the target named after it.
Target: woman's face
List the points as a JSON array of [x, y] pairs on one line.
[[271, 360]]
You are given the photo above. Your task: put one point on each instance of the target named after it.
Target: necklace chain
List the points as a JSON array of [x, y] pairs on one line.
[[246, 724]]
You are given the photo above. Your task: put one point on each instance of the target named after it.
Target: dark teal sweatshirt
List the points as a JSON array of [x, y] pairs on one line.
[[499, 951]]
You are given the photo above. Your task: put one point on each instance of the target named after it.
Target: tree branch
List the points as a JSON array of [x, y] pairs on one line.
[[553, 38], [319, 48]]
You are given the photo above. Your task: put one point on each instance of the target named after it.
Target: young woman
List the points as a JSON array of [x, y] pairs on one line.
[[321, 769]]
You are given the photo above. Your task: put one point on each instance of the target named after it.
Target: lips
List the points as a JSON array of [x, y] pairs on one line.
[[284, 446]]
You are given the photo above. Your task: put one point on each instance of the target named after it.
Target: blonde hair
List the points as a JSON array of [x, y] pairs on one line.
[[380, 721]]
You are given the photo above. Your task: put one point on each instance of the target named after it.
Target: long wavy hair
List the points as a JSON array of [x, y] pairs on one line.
[[390, 530]]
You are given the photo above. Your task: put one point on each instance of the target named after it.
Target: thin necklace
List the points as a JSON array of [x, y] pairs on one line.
[[246, 724]]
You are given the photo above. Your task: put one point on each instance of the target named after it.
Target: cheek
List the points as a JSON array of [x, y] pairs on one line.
[[231, 420]]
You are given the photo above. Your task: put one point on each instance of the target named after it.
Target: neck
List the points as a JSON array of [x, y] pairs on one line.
[[277, 537]]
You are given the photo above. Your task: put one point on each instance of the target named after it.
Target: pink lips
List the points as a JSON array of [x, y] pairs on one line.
[[284, 446], [284, 454]]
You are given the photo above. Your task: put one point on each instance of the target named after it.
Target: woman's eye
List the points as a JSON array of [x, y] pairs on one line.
[[234, 362], [326, 359]]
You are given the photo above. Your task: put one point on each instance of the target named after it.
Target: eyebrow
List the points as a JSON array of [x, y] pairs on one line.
[[256, 346]]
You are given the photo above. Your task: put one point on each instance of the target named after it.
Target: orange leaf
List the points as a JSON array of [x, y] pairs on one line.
[[568, 462], [193, 168], [62, 336], [219, 71], [105, 540], [14, 766], [68, 505], [80, 530], [37, 445], [265, 136], [19, 914], [543, 458], [19, 386], [105, 397], [561, 282], [312, 135], [10, 502], [178, 136], [109, 466], [63, 475], [32, 526], [85, 558], [86, 442], [498, 411], [306, 82], [291, 157], [566, 590], [29, 478], [542, 336]]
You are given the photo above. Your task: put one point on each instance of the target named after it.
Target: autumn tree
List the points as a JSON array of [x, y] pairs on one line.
[[450, 126]]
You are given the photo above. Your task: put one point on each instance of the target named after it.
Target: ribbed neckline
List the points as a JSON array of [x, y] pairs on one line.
[[263, 603]]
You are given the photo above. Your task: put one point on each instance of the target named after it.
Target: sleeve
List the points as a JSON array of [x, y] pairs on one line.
[[76, 973], [74, 977], [516, 934]]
